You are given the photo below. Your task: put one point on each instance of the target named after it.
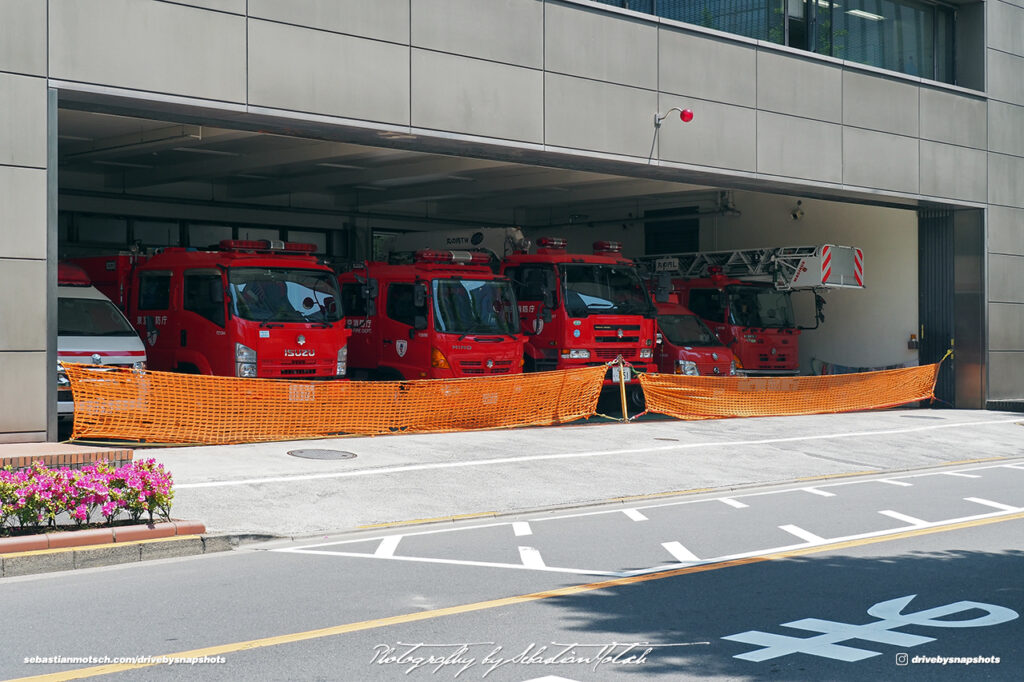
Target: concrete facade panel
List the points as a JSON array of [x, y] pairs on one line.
[[22, 299], [380, 19], [706, 68], [23, 37], [307, 70], [880, 104], [799, 147], [799, 87], [1006, 326], [510, 31], [1006, 230], [477, 97], [616, 120], [1005, 180], [1005, 375], [1004, 274], [579, 41], [23, 212], [953, 118], [720, 136], [230, 6], [1004, 77], [23, 394], [22, 121], [1004, 22], [880, 160], [149, 46], [953, 172], [1006, 123]]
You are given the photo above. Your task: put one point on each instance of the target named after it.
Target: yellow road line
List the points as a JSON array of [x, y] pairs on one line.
[[505, 601]]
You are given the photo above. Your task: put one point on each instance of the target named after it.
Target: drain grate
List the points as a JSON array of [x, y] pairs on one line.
[[322, 454], [919, 416]]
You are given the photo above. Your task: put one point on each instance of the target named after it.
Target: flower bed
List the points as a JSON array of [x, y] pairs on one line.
[[31, 500]]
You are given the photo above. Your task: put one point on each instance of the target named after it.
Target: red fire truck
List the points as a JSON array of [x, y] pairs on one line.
[[581, 309], [687, 346], [248, 308], [445, 315], [745, 296]]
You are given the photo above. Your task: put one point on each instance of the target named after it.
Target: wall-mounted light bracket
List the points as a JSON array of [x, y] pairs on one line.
[[685, 115]]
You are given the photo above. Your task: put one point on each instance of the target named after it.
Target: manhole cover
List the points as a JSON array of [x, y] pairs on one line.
[[322, 454]]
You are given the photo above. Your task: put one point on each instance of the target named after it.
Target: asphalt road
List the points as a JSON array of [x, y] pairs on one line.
[[883, 576]]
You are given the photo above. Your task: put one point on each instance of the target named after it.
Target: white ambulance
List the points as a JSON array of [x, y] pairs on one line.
[[90, 329]]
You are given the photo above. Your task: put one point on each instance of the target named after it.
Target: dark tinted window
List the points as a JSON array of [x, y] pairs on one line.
[[352, 300], [154, 291], [708, 304], [204, 294], [401, 304], [528, 281]]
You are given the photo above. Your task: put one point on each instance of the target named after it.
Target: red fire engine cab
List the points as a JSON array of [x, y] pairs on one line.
[[247, 308], [582, 309], [446, 315]]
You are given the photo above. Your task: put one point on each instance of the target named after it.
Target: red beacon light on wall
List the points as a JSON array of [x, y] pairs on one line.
[[546, 244], [462, 257], [685, 115], [266, 245], [606, 248]]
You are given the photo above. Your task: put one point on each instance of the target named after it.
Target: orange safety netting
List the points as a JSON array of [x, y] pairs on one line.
[[165, 407], [689, 397]]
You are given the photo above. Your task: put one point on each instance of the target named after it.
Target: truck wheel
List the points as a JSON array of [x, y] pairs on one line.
[[636, 398]]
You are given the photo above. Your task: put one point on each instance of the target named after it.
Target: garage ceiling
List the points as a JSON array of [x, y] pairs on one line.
[[122, 156]]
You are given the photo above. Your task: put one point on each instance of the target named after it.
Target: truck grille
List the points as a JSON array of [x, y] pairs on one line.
[[612, 353], [615, 327], [616, 339], [477, 367]]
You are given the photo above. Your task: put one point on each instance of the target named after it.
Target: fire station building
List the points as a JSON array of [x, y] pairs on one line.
[[896, 126]]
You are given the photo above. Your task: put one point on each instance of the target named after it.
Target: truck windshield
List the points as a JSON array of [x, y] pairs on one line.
[[284, 295], [90, 317], [593, 289], [471, 306], [686, 330], [755, 306]]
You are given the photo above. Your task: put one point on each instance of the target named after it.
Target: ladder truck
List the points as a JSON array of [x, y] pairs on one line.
[[744, 296]]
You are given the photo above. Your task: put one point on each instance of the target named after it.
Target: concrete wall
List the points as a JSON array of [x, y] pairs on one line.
[[548, 75]]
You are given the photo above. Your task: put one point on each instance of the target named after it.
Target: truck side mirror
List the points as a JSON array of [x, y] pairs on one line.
[[216, 291], [370, 289], [663, 291], [545, 314], [330, 305], [419, 297], [419, 322]]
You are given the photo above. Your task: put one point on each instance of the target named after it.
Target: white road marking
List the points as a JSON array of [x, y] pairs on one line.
[[958, 474], [803, 534], [895, 482], [387, 546], [531, 558], [733, 503], [386, 471], [1019, 467], [903, 517], [521, 528], [681, 554], [994, 505], [822, 493], [634, 514]]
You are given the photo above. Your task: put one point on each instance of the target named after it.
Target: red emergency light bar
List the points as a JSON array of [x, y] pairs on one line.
[[72, 275], [607, 248], [553, 243], [434, 256], [266, 245]]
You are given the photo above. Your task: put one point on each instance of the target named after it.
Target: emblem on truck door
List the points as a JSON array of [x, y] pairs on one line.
[[401, 345]]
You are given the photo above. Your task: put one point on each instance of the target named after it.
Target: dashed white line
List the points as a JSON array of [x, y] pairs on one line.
[[634, 514], [821, 493], [903, 517], [994, 505], [733, 503], [957, 474], [387, 546], [681, 554], [1019, 467], [805, 535], [531, 558], [890, 481], [521, 528]]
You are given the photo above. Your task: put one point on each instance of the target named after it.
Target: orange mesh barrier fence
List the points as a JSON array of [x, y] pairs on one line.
[[688, 397], [165, 407]]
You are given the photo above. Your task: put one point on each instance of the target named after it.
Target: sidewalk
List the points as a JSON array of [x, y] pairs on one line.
[[261, 489]]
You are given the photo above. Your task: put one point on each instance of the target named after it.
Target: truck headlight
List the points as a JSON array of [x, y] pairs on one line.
[[732, 368], [139, 366], [342, 365], [646, 353], [575, 354], [245, 361], [687, 367]]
